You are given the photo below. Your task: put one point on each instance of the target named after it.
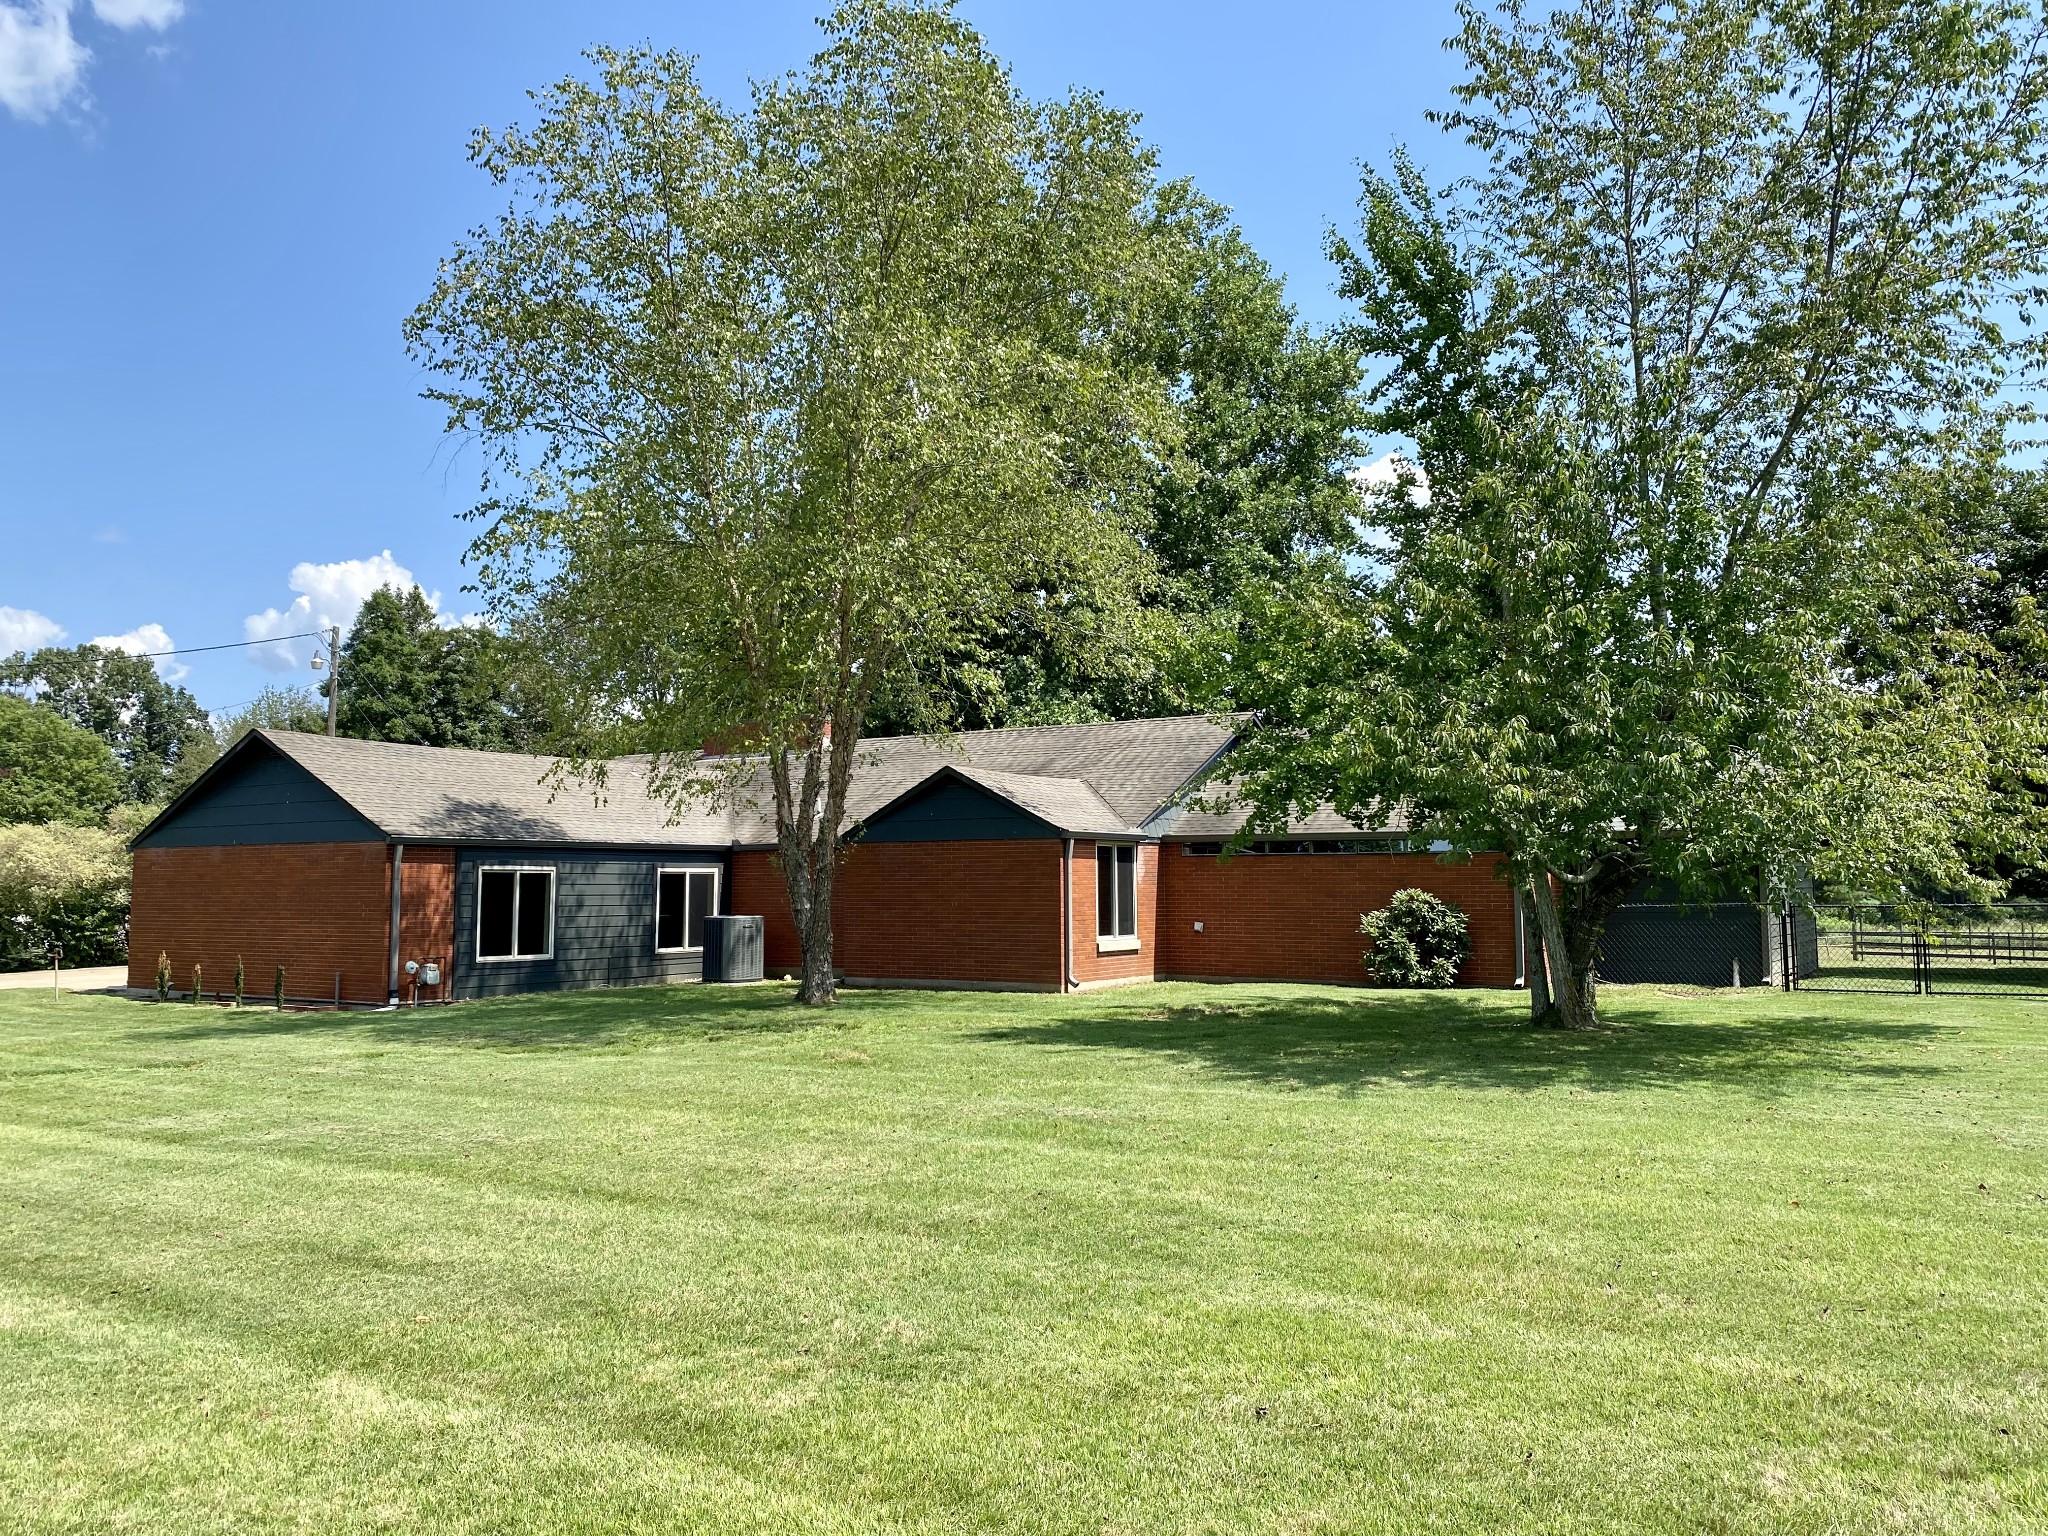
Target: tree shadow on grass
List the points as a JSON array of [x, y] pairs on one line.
[[618, 1018], [1361, 1040], [1345, 1039]]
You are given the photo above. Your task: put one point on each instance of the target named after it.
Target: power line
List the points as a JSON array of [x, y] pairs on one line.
[[232, 645]]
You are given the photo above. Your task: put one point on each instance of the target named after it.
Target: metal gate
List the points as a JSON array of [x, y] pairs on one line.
[[1922, 950]]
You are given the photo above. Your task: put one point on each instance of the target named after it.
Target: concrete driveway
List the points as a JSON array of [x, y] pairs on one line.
[[94, 978]]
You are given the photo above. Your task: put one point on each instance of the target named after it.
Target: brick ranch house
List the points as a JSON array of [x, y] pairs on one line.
[[1053, 858]]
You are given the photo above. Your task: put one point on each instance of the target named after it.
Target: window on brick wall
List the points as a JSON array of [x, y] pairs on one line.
[[1116, 891], [683, 898], [515, 914]]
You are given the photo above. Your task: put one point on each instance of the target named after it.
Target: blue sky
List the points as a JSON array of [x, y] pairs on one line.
[[218, 212]]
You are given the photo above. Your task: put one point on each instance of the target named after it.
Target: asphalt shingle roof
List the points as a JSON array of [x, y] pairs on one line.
[[1101, 779], [1197, 822], [450, 794]]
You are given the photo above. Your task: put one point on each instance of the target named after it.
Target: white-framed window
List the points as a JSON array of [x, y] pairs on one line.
[[684, 895], [515, 912], [1116, 895]]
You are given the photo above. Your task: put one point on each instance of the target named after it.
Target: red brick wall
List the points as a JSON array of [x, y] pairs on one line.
[[426, 917], [1289, 917], [1295, 916], [315, 908], [754, 888], [1092, 967], [968, 911]]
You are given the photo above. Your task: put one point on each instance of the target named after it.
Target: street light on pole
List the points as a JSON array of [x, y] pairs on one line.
[[332, 662]]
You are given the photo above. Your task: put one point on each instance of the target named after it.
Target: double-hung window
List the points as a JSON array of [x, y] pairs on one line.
[[515, 914], [683, 898], [1116, 895]]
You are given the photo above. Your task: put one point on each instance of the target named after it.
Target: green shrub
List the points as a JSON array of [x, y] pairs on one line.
[[64, 885], [163, 977], [1418, 940], [198, 982], [91, 926], [277, 989], [239, 978]]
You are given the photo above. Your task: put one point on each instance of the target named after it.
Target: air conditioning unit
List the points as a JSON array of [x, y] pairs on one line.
[[734, 948]]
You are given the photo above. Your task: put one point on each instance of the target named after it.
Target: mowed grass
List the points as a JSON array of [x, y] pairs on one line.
[[1168, 1259]]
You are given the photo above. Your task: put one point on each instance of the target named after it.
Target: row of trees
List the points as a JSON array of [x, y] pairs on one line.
[[93, 740], [89, 737], [898, 401], [63, 872]]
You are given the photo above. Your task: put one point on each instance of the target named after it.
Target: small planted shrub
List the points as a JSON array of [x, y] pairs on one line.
[[198, 982], [277, 990], [239, 977], [1418, 940], [163, 976]]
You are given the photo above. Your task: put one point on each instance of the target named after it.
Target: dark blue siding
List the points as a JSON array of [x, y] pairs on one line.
[[262, 798], [604, 921], [955, 812]]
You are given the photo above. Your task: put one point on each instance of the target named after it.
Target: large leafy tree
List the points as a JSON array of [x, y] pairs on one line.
[[777, 402], [1269, 417], [405, 676], [50, 769], [1972, 605], [390, 665], [150, 724], [1734, 271]]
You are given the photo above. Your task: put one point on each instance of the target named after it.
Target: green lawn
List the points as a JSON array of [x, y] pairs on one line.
[[1277, 1259]]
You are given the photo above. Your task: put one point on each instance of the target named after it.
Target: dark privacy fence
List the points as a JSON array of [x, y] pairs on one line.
[[1921, 950], [1717, 944]]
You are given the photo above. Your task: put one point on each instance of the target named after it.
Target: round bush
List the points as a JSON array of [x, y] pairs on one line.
[[1418, 940]]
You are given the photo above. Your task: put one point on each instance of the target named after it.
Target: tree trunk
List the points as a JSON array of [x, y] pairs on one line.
[[809, 878], [1536, 967], [1572, 1008], [807, 817], [1571, 931], [806, 841], [817, 989]]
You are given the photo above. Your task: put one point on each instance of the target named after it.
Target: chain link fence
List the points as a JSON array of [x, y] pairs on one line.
[[1954, 949], [1918, 950]]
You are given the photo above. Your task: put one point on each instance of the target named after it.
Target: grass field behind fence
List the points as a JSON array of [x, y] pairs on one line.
[[1168, 1259]]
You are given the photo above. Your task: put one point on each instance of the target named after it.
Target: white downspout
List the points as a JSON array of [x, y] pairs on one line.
[[397, 885], [1521, 942], [1073, 982]]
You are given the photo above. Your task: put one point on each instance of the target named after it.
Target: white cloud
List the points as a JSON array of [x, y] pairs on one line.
[[138, 13], [329, 594], [1384, 473], [23, 629], [148, 640], [42, 62]]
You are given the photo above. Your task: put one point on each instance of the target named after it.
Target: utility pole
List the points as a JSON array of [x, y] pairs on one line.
[[333, 676]]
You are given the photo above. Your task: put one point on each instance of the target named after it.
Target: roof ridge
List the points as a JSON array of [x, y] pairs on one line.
[[1015, 730], [1070, 725], [272, 734]]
